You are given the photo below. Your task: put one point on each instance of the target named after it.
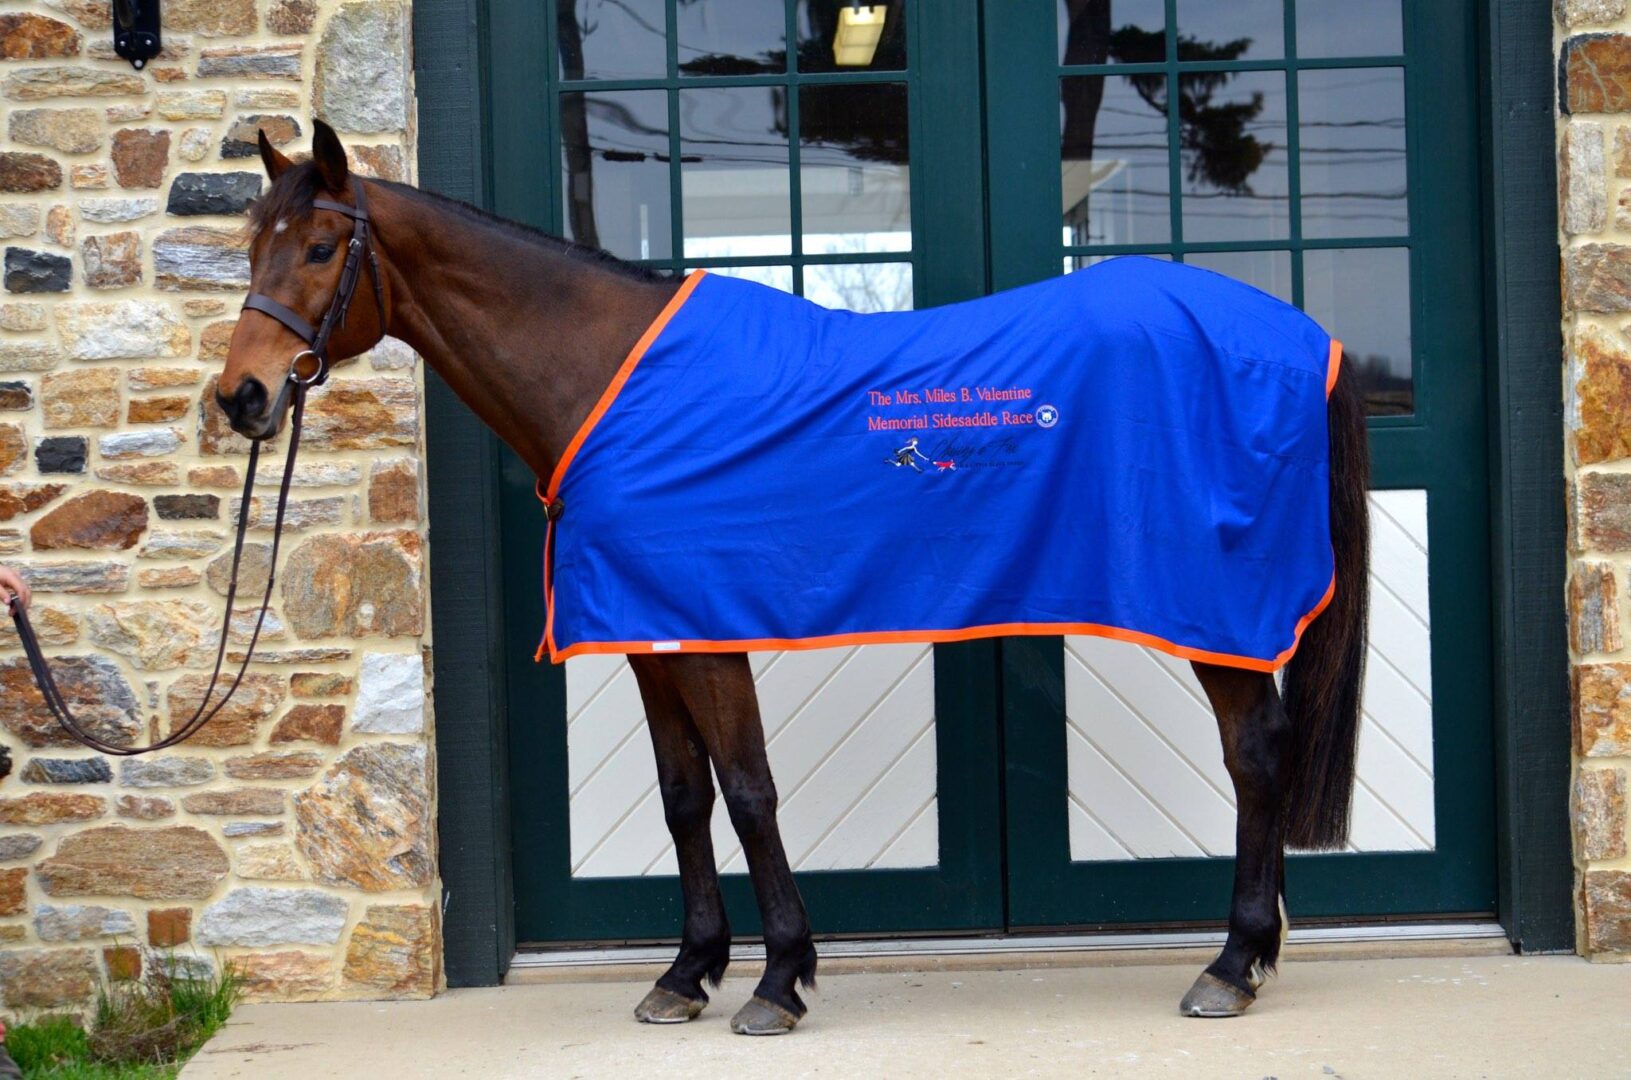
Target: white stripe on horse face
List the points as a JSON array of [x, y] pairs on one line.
[[281, 226]]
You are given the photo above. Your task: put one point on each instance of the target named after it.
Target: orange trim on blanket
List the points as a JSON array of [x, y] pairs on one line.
[[1249, 663], [613, 388], [1333, 366], [609, 395]]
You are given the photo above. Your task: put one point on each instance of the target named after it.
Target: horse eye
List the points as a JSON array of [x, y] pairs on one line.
[[320, 253]]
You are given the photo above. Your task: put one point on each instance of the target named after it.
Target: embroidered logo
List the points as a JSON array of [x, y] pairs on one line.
[[1047, 416], [908, 455]]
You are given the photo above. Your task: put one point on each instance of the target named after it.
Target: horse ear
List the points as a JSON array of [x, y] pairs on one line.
[[275, 162], [329, 155]]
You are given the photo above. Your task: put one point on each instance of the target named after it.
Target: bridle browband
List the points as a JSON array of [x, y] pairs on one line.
[[300, 379]]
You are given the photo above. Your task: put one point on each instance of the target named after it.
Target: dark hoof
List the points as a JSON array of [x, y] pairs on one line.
[[666, 1007], [761, 1017], [1212, 997]]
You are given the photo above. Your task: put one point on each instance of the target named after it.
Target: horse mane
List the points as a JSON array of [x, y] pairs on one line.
[[290, 197]]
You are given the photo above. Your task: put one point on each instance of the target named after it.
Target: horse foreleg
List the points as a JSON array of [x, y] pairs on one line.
[[687, 789], [718, 692], [1256, 750]]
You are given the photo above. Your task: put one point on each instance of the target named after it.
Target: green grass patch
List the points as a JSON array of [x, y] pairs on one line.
[[142, 1029]]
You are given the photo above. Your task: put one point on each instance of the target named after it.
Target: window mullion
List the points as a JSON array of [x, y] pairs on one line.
[[1294, 165]]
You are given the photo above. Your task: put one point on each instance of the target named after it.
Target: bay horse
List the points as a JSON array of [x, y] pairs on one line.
[[528, 330]]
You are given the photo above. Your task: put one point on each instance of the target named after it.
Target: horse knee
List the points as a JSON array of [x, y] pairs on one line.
[[753, 810], [687, 804]]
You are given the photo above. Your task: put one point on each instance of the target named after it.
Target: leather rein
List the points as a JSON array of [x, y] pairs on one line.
[[310, 367]]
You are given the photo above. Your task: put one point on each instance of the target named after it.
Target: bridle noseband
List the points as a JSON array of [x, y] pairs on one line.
[[300, 379]]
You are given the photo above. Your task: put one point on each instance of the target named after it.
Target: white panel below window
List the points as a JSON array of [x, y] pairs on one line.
[[1146, 775], [851, 741]]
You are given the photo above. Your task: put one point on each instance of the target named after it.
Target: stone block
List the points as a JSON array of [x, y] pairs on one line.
[[355, 585], [283, 974], [117, 211], [251, 62], [1602, 709], [13, 891], [158, 410], [1582, 179], [46, 978], [122, 962], [22, 316], [210, 18], [112, 260], [1607, 910], [242, 140], [274, 765], [168, 577], [37, 271], [16, 499], [1597, 278], [80, 922], [28, 355], [194, 544], [140, 157], [169, 927], [162, 378], [390, 694], [144, 807], [319, 684], [51, 808], [122, 330], [194, 144], [1599, 814], [213, 193], [40, 83], [24, 172], [36, 37], [1594, 608], [96, 520], [18, 219], [188, 507], [199, 257], [1603, 510], [44, 770], [393, 491], [154, 442], [386, 849], [91, 685], [59, 226], [57, 454], [291, 17], [237, 723], [1572, 13], [394, 949], [269, 862], [362, 69], [13, 448], [238, 802], [14, 846], [173, 863], [1595, 74], [150, 473], [319, 724], [72, 131], [155, 635], [80, 399], [258, 916]]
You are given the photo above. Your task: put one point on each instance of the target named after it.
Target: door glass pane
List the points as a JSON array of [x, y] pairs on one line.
[[1362, 296], [860, 286], [731, 37], [611, 39], [1352, 137], [1097, 32], [1082, 262], [853, 170], [734, 172], [1234, 156], [1344, 28], [1269, 271], [836, 35], [1113, 149], [1237, 30], [614, 170], [777, 277]]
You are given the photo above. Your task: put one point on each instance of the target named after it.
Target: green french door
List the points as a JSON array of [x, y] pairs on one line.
[[840, 157], [912, 154], [1325, 152]]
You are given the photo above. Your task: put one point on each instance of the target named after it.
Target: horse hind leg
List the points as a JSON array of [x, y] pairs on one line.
[[1257, 752], [687, 790], [718, 691]]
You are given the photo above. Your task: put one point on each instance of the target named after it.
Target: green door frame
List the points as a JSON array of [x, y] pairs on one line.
[[458, 52]]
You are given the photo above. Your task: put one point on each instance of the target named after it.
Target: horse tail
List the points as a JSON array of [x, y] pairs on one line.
[[1323, 680]]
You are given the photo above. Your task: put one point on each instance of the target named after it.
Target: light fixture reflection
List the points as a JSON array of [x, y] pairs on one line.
[[859, 29]]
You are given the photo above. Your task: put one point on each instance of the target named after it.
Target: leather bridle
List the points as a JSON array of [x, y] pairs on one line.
[[310, 367]]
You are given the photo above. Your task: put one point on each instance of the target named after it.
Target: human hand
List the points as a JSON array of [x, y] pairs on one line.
[[12, 585]]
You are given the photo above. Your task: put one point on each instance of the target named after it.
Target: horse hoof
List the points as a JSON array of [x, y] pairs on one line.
[[761, 1017], [666, 1007], [1214, 998]]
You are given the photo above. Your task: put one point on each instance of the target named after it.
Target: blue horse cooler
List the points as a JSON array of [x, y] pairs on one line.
[[1137, 450]]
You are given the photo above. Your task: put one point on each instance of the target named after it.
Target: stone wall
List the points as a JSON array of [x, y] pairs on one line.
[[1594, 197], [294, 836]]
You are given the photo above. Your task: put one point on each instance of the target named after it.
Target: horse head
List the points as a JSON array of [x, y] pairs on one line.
[[298, 249]]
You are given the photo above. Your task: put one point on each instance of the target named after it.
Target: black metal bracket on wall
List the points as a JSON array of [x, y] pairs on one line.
[[136, 34]]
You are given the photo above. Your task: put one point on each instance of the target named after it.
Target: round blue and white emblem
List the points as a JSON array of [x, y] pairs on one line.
[[1047, 416]]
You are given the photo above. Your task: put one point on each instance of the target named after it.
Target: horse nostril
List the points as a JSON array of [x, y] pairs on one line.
[[248, 402]]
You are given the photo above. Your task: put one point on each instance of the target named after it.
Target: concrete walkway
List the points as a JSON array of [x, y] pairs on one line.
[[1457, 1016]]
